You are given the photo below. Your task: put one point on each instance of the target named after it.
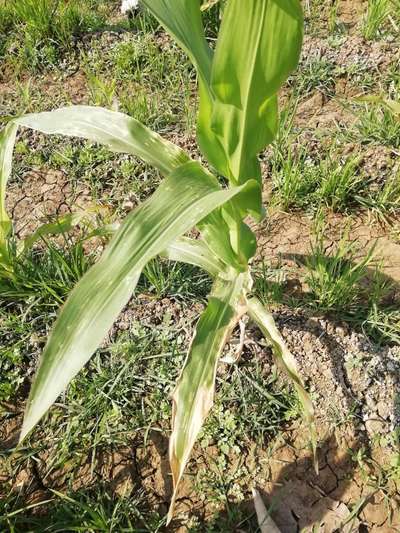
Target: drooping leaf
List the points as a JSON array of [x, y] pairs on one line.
[[258, 46], [194, 253], [185, 197], [7, 141], [286, 361], [119, 132], [193, 396]]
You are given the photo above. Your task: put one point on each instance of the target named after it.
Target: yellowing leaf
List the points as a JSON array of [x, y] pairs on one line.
[[193, 396], [185, 197]]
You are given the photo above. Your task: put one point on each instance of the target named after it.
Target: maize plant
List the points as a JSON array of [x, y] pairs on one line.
[[258, 45]]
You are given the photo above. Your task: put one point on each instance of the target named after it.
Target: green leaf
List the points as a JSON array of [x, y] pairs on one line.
[[209, 143], [194, 253], [258, 46], [117, 131], [216, 234], [193, 396], [286, 361], [184, 198], [225, 233], [7, 141], [182, 19]]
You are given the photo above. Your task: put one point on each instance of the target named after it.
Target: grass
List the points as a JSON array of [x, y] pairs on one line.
[[86, 510], [377, 14], [314, 74], [376, 125], [335, 279], [340, 281], [300, 182], [323, 178], [39, 32], [41, 280], [177, 280]]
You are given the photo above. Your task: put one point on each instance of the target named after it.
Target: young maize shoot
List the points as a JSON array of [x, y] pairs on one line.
[[238, 117]]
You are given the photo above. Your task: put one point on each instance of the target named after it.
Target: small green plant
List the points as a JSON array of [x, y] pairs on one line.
[[334, 278], [379, 125], [304, 183], [377, 13], [238, 117], [39, 30]]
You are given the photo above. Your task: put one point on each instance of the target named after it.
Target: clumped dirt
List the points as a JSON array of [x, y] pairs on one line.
[[41, 196], [287, 239]]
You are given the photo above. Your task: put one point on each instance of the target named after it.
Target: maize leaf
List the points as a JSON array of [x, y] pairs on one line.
[[258, 46], [194, 253], [286, 361], [186, 196], [193, 396], [119, 132]]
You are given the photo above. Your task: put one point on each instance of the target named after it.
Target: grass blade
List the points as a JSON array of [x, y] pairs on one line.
[[179, 203], [193, 396], [286, 361], [60, 226]]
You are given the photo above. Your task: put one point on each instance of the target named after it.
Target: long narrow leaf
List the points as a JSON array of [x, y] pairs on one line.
[[61, 225], [182, 19], [7, 141], [119, 132], [258, 45], [286, 361], [193, 396], [179, 203]]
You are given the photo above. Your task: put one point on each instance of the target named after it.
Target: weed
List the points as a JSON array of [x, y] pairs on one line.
[[334, 279], [303, 183], [269, 283], [102, 91], [385, 202], [97, 510], [332, 17], [314, 74], [45, 274], [383, 324], [377, 125], [175, 280], [377, 14], [40, 31]]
